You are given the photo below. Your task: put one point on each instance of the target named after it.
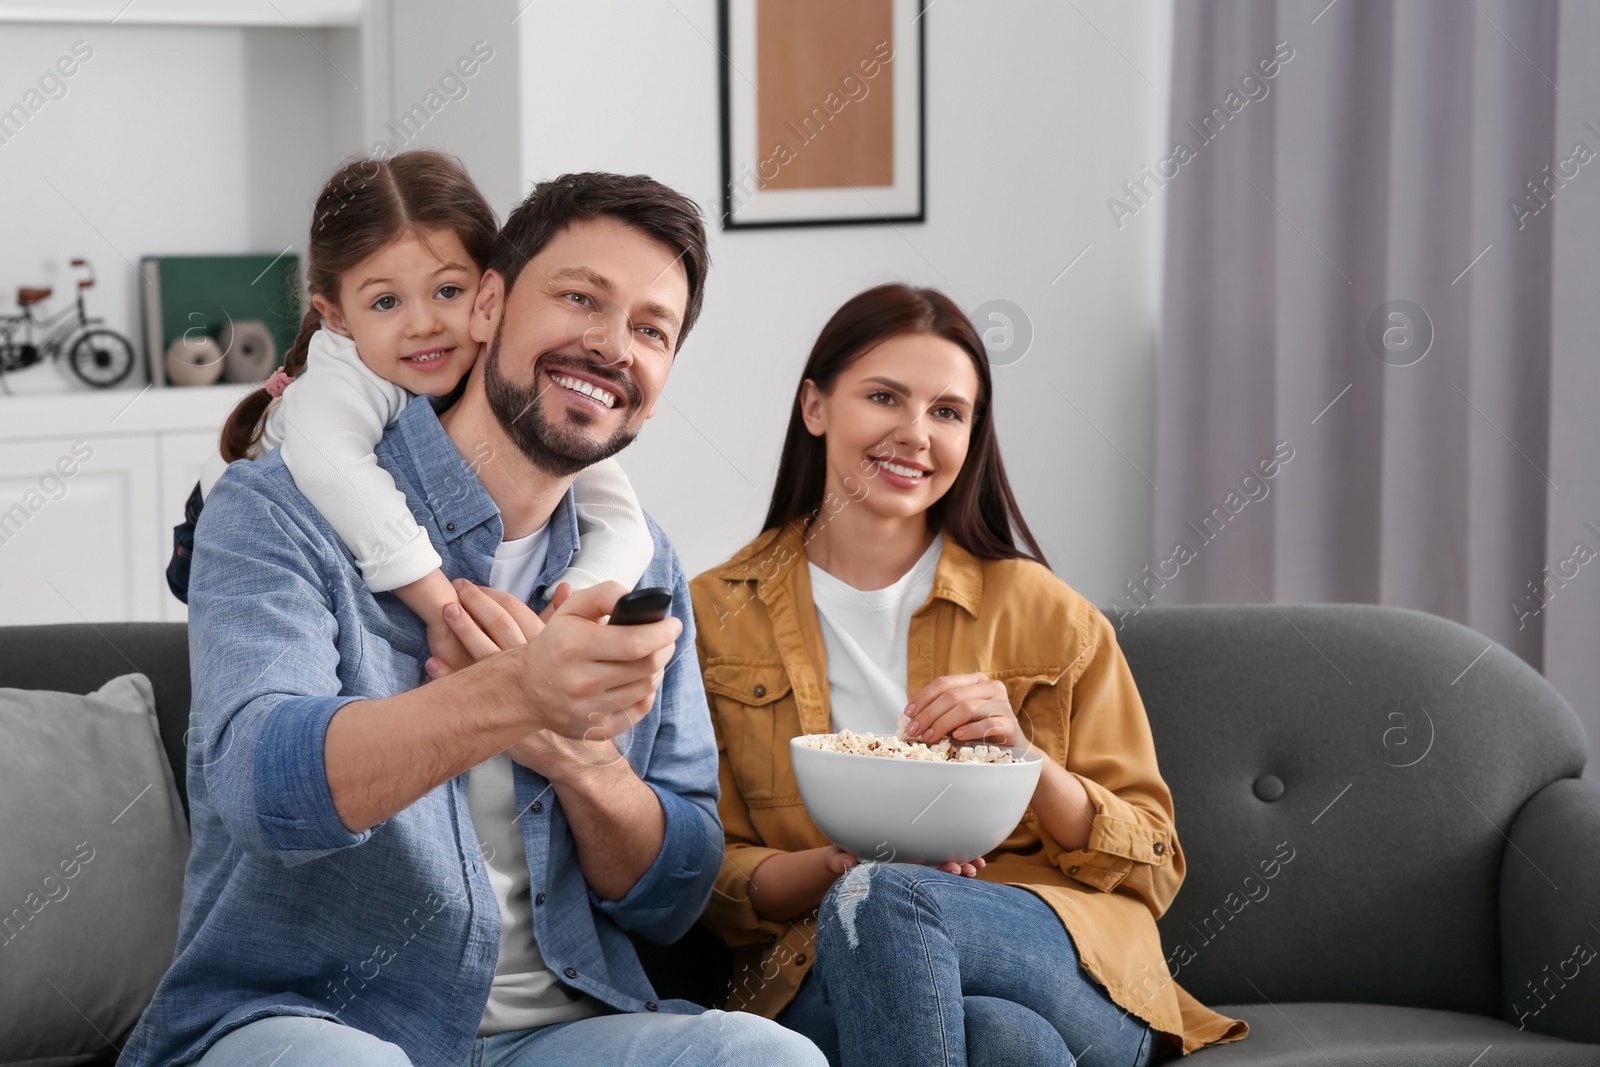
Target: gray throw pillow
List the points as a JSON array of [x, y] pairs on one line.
[[92, 848]]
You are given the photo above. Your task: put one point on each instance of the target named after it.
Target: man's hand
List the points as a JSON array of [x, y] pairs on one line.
[[587, 682], [591, 682]]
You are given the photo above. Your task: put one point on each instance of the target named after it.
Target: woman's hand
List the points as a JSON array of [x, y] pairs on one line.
[[790, 884], [836, 860], [970, 708], [965, 870]]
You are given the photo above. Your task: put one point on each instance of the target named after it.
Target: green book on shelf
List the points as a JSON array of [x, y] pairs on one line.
[[205, 293]]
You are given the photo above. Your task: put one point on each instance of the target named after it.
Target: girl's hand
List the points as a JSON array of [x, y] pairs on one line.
[[970, 708], [445, 648], [557, 598], [427, 597]]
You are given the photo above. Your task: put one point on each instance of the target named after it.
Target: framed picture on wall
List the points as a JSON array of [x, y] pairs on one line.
[[823, 118]]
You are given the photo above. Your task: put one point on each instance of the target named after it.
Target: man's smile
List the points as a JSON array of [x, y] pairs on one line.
[[584, 387]]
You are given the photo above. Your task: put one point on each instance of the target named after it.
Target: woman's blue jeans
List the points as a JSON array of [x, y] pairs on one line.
[[918, 967]]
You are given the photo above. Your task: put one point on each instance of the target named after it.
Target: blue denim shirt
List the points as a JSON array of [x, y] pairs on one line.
[[393, 930]]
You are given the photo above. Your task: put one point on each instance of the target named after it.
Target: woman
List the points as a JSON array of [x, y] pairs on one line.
[[890, 565]]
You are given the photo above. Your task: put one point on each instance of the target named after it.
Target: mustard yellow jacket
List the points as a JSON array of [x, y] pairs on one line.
[[762, 656]]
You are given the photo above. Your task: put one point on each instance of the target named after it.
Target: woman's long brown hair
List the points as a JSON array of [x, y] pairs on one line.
[[979, 512], [367, 204]]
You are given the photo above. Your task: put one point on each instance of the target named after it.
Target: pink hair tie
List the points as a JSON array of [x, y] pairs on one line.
[[278, 382]]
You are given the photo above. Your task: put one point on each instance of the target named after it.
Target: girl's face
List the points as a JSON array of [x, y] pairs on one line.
[[898, 421], [407, 307]]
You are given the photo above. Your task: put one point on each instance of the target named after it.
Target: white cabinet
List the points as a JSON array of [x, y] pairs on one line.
[[90, 488], [78, 530]]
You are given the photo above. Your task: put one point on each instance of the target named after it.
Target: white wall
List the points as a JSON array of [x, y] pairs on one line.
[[412, 48], [1036, 115], [180, 139], [169, 140]]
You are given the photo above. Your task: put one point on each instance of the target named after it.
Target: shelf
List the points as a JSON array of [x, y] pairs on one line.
[[300, 14], [118, 412]]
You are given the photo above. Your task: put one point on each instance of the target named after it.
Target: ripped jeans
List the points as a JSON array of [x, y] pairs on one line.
[[918, 967]]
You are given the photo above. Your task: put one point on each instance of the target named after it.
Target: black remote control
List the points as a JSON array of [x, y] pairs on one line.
[[642, 606]]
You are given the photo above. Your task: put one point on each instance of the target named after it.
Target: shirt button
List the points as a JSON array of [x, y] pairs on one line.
[[536, 807], [651, 1005], [761, 690], [571, 972], [800, 960], [539, 899], [1159, 847], [1072, 870], [450, 527]]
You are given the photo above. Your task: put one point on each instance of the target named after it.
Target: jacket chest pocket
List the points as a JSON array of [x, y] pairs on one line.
[[1036, 699], [753, 702]]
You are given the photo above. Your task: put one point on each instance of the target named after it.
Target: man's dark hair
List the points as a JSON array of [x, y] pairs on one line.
[[635, 199]]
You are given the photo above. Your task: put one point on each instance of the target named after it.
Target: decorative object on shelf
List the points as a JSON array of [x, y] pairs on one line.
[[822, 112], [100, 357], [217, 296], [249, 352], [194, 359]]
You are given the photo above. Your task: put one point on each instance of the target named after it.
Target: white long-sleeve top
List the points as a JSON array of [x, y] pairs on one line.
[[328, 424]]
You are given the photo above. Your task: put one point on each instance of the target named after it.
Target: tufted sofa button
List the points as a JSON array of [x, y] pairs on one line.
[[1269, 787]]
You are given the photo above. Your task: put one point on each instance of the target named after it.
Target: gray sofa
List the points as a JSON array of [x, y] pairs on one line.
[[1392, 859]]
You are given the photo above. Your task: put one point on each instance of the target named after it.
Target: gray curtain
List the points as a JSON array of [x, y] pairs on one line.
[[1382, 289]]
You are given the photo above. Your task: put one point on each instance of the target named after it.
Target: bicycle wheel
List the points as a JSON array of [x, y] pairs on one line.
[[102, 358]]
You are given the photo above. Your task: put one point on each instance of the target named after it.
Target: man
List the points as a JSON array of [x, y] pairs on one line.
[[361, 844]]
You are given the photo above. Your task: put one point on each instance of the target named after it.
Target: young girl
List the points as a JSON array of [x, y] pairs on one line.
[[896, 583], [396, 251]]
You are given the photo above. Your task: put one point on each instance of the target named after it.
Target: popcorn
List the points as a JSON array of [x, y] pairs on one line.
[[892, 747]]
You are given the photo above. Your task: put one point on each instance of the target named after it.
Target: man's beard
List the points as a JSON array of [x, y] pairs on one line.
[[557, 450]]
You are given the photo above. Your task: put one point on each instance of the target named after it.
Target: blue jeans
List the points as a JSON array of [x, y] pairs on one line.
[[918, 967], [715, 1039]]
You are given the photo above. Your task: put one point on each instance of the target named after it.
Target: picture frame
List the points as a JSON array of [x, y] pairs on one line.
[[823, 112]]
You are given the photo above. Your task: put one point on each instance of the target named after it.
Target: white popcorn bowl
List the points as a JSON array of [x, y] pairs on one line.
[[913, 811]]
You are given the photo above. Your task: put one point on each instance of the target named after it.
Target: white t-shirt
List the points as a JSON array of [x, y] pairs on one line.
[[517, 563], [526, 993], [865, 634]]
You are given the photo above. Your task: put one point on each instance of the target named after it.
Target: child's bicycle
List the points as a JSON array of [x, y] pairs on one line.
[[98, 355]]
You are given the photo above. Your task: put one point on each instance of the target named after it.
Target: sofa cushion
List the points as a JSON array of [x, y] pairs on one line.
[[78, 657], [1375, 1035], [91, 872]]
